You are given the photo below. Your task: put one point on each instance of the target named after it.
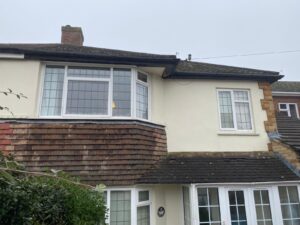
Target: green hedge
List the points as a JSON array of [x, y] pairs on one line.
[[46, 200]]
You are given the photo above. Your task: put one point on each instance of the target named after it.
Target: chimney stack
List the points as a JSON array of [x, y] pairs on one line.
[[71, 35]]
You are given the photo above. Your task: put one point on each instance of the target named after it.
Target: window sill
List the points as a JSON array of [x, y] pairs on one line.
[[237, 133]]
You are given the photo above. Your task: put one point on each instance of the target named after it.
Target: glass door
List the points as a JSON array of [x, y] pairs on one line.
[[249, 206], [237, 207]]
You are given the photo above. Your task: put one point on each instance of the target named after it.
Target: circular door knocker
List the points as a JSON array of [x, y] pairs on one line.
[[161, 211]]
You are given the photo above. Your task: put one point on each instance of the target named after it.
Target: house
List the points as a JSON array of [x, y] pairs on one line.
[[286, 97], [174, 141]]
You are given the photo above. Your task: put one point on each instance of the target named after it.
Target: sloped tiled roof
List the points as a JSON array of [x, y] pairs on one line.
[[78, 50], [286, 86], [95, 151], [176, 68], [208, 68], [289, 131], [219, 168], [200, 70]]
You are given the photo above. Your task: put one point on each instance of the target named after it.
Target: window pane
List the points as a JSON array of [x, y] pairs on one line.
[[202, 197], [209, 210], [262, 205], [237, 207], [120, 208], [213, 196], [142, 77], [243, 116], [290, 205], [87, 72], [293, 194], [186, 206], [282, 106], [52, 92], [143, 215], [226, 109], [143, 196], [141, 101], [87, 97], [241, 95], [121, 92], [283, 194], [203, 214]]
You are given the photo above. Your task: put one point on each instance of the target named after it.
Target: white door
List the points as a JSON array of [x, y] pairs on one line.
[[249, 206]]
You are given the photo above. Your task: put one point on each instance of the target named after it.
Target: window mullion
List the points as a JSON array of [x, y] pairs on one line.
[[110, 93], [233, 110], [65, 92]]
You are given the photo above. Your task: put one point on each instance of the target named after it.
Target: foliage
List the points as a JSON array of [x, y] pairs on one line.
[[46, 199], [7, 93]]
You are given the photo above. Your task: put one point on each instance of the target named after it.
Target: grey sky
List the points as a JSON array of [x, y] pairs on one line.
[[204, 28]]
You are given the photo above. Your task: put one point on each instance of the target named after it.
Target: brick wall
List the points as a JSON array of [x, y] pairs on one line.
[[110, 153], [286, 99], [268, 106], [287, 154]]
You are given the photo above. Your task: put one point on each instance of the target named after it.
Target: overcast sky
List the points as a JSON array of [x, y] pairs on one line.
[[204, 28]]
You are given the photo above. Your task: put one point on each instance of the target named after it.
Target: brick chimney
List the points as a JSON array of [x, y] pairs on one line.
[[71, 35]]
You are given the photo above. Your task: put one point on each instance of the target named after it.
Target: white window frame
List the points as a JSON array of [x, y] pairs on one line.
[[134, 202], [64, 115], [235, 129], [287, 104], [248, 190], [146, 84], [143, 203], [189, 187]]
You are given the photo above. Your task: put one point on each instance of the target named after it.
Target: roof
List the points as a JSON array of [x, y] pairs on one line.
[[289, 130], [200, 70], [286, 86], [95, 151], [219, 168], [65, 52], [175, 68]]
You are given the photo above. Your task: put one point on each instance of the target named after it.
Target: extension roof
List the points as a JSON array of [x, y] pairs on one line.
[[286, 86], [175, 68], [289, 130], [246, 167]]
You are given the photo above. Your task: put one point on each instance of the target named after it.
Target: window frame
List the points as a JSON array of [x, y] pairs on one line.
[[64, 115], [235, 128], [248, 189], [143, 203], [288, 110], [146, 84], [134, 192]]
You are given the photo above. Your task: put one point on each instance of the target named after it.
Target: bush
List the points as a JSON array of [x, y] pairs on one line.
[[46, 200]]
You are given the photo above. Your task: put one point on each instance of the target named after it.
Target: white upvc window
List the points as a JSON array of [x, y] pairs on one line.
[[290, 205], [235, 110], [289, 109], [143, 207], [266, 204], [94, 92], [128, 206]]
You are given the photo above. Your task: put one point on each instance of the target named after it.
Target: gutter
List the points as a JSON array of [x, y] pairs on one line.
[[184, 75]]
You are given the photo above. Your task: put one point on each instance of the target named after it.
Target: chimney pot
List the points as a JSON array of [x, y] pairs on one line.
[[71, 35]]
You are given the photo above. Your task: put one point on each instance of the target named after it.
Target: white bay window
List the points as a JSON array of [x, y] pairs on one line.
[[94, 92], [235, 110]]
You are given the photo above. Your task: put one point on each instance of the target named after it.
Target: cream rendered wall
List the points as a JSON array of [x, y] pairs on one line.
[[189, 110], [169, 197], [21, 76]]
